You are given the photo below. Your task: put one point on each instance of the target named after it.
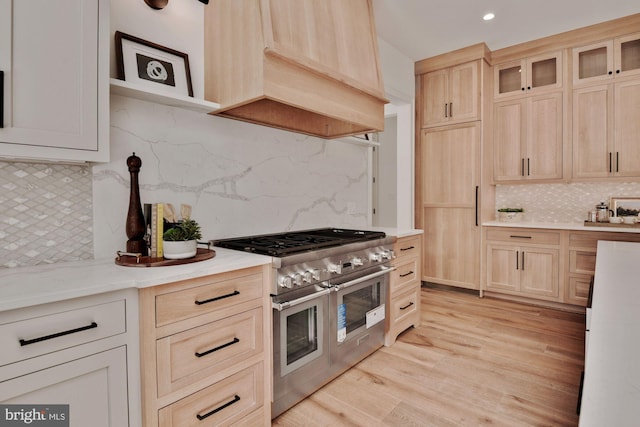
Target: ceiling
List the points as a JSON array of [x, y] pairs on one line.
[[424, 28]]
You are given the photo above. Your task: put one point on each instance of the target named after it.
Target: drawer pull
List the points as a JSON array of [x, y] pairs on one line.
[[59, 334], [233, 294], [219, 408], [407, 274], [220, 347], [407, 249], [407, 306], [1, 99], [520, 237]]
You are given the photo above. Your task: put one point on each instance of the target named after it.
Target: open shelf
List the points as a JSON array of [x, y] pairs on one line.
[[121, 87]]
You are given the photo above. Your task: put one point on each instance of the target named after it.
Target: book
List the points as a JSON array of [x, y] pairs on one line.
[[159, 230]]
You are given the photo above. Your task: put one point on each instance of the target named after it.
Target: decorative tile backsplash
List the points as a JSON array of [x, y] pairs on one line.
[[46, 213], [561, 202]]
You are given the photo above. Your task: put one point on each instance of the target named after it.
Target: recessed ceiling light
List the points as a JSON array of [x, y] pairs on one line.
[[489, 16]]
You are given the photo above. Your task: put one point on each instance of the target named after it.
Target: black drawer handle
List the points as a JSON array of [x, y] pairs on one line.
[[220, 347], [520, 237], [59, 334], [218, 409], [233, 294], [407, 274], [407, 249], [406, 306]]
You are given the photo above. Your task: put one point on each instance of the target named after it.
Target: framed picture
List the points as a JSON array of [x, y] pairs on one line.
[[148, 64], [625, 206]]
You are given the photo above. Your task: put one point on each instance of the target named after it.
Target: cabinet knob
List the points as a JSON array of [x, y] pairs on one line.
[[617, 71], [610, 72], [528, 87], [523, 89]]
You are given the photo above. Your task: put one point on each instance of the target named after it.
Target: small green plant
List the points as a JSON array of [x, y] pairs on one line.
[[511, 210], [187, 229]]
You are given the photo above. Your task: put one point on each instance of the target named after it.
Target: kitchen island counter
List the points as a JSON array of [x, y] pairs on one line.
[[612, 373], [29, 286]]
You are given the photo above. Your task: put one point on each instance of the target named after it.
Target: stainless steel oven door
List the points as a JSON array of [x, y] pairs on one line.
[[358, 312], [301, 361]]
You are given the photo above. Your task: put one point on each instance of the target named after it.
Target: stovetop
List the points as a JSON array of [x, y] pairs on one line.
[[295, 242]]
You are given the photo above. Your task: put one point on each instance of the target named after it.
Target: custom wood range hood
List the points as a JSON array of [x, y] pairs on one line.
[[308, 66]]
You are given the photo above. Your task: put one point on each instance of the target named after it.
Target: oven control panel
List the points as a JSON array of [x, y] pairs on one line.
[[322, 270]]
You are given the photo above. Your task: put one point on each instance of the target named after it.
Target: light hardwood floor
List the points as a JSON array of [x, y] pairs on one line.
[[472, 362]]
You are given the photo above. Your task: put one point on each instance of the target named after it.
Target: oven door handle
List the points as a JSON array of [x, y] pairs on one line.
[[286, 304], [385, 270]]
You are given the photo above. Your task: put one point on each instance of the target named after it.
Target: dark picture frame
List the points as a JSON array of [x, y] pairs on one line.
[[149, 64], [625, 206]]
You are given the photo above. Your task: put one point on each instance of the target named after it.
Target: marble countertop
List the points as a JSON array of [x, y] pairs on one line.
[[27, 286], [561, 226], [611, 393]]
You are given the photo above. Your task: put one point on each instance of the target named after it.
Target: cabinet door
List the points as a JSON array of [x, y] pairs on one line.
[[627, 55], [592, 131], [464, 101], [544, 137], [451, 252], [55, 79], [94, 387], [593, 62], [544, 72], [503, 267], [539, 272], [435, 98], [449, 165], [627, 128], [508, 136], [509, 79]]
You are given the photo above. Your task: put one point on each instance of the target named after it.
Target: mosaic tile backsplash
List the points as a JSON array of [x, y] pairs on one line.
[[561, 203], [46, 213]]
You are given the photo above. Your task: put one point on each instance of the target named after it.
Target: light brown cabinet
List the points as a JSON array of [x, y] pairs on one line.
[[205, 347], [450, 168], [306, 66], [606, 129], [528, 137], [523, 262], [404, 288], [451, 95], [528, 76], [607, 60]]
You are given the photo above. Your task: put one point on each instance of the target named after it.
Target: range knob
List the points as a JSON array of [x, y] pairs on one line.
[[387, 254], [285, 281], [357, 262], [297, 279], [310, 275], [376, 257], [335, 268]]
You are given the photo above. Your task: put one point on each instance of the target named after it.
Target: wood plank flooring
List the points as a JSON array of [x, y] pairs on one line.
[[472, 362]]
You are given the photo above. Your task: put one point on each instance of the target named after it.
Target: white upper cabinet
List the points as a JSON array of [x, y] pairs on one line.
[[607, 59], [54, 65]]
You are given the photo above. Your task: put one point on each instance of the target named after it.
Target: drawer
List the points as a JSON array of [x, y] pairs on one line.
[[579, 290], [403, 274], [589, 240], [524, 236], [407, 247], [190, 356], [222, 403], [582, 262], [405, 305], [207, 297], [24, 339]]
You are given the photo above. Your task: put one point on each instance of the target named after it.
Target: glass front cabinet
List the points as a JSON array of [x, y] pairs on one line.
[[528, 76], [608, 59]]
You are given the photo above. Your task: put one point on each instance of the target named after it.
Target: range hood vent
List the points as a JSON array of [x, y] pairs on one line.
[[307, 66]]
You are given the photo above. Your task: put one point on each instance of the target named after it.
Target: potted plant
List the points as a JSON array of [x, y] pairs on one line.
[[181, 240]]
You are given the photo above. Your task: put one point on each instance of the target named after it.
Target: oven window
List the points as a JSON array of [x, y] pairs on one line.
[[302, 334], [358, 303]]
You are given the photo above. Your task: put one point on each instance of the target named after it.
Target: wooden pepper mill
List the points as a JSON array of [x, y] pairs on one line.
[[135, 226]]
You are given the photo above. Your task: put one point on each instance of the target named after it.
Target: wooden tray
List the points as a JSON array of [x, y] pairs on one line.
[[147, 261], [610, 224]]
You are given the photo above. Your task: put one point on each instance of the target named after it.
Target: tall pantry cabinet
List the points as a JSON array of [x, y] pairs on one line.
[[450, 185]]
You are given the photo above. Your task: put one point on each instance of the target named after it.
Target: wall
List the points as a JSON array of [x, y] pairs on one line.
[[558, 203]]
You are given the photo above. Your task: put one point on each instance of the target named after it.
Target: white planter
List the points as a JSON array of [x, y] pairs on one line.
[[180, 249]]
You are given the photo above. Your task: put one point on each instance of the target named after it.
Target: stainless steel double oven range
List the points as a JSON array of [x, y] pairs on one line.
[[328, 303]]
